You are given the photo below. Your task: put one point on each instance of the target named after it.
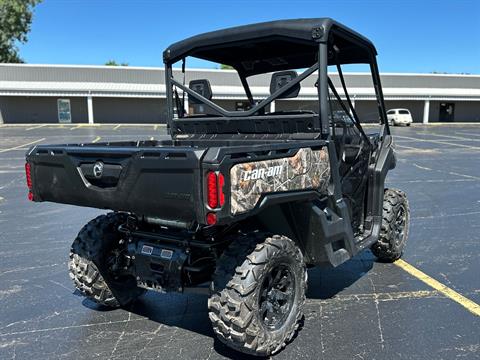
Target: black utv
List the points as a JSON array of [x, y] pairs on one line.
[[239, 202]]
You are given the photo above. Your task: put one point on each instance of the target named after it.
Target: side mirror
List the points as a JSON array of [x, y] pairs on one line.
[[282, 78]]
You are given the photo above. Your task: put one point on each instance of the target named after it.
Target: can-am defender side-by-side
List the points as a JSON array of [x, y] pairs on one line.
[[237, 203]]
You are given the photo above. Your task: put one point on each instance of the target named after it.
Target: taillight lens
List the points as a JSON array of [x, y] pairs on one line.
[[215, 195], [221, 195], [212, 190], [28, 174], [211, 218]]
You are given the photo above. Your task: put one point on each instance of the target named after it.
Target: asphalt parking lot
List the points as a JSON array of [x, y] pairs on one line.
[[361, 310]]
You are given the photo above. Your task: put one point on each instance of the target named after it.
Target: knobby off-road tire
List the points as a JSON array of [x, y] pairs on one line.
[[255, 276], [88, 263], [395, 223]]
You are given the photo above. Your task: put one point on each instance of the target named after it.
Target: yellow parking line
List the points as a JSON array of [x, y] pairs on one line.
[[468, 304], [96, 139], [155, 127], [21, 146], [116, 127]]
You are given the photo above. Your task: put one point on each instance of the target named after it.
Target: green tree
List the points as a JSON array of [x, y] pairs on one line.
[[226, 67], [15, 20], [114, 63]]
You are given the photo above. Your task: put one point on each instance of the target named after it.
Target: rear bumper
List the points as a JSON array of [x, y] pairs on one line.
[[402, 121]]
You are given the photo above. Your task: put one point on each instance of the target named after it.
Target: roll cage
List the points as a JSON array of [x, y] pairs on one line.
[[309, 44]]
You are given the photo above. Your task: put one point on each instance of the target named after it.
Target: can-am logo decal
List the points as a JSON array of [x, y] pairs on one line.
[[262, 173], [249, 181]]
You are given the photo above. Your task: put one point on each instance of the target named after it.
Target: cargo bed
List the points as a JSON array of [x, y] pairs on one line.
[[159, 179]]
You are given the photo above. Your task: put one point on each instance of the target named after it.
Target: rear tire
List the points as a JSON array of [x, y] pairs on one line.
[[259, 292], [395, 224], [89, 257]]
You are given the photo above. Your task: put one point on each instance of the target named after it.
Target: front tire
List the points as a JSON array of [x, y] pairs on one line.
[[90, 257], [395, 224], [259, 292]]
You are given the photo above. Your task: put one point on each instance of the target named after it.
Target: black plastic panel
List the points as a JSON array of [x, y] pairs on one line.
[[268, 124], [159, 181]]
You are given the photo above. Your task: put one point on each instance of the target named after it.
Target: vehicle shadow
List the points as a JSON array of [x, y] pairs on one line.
[[189, 311], [325, 283]]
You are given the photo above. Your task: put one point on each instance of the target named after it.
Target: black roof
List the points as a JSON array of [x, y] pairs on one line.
[[271, 46]]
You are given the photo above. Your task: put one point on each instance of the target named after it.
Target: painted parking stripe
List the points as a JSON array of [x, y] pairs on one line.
[[117, 126], [429, 181], [12, 171], [454, 138], [96, 139], [441, 142], [468, 304], [81, 126], [410, 149], [471, 177], [22, 146], [407, 147], [466, 133], [35, 127]]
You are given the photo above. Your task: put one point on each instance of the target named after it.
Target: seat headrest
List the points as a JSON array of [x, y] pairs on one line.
[[202, 87], [282, 78]]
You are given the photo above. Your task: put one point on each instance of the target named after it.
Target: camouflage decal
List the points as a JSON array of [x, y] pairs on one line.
[[307, 169]]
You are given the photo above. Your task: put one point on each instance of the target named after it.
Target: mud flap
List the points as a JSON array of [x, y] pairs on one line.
[[326, 235]]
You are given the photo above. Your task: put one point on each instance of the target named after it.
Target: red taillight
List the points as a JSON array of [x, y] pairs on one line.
[[212, 190], [28, 174], [215, 195], [221, 195], [211, 218]]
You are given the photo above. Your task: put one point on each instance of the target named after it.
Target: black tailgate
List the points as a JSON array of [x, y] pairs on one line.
[[162, 182]]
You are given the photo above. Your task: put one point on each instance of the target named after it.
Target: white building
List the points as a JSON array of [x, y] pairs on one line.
[[105, 94]]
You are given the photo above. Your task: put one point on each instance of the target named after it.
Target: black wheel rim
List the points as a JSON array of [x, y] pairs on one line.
[[399, 225], [277, 296]]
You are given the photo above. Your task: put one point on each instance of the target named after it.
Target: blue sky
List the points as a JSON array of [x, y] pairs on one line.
[[410, 36]]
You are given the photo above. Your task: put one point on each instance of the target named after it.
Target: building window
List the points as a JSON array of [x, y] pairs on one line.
[[64, 113]]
